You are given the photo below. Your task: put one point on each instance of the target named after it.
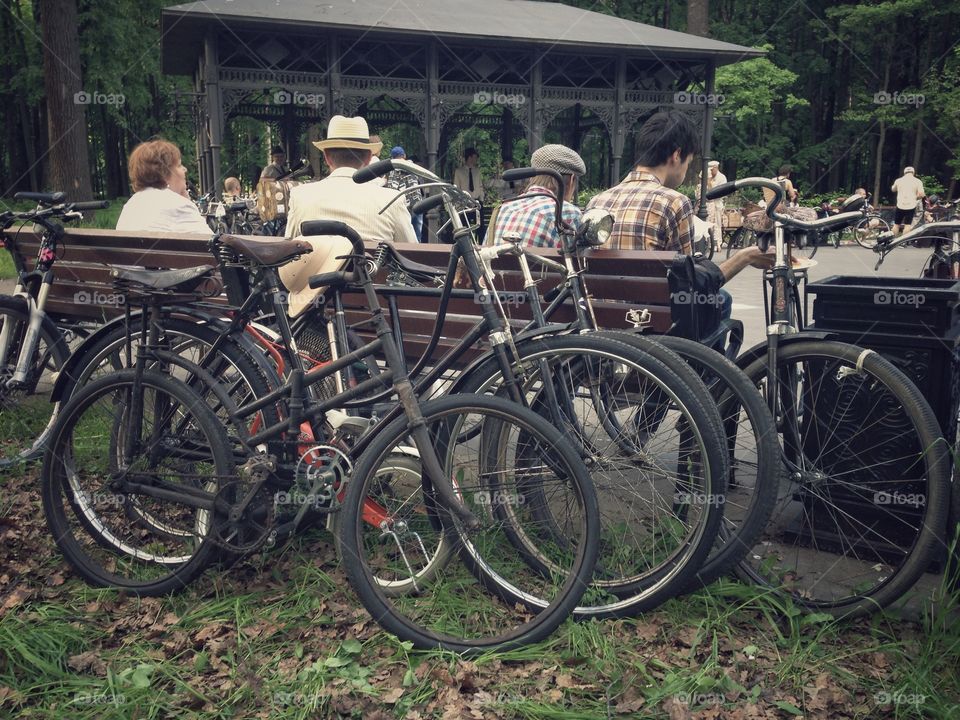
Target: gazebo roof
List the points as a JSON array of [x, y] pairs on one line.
[[523, 22]]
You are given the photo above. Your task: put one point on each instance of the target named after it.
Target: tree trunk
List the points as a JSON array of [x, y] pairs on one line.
[[66, 116], [698, 17], [878, 163]]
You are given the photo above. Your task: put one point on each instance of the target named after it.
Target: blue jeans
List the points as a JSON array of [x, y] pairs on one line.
[[726, 304], [417, 225]]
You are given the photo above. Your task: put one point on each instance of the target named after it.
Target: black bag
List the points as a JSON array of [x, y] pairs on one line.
[[695, 303]]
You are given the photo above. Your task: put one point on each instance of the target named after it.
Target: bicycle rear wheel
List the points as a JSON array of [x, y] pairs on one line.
[[866, 231], [129, 496], [862, 511], [426, 579]]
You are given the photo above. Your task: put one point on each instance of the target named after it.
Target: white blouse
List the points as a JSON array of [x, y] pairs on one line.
[[156, 210]]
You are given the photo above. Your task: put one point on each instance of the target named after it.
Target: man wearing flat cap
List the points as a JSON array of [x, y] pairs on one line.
[[348, 148], [715, 207], [533, 213]]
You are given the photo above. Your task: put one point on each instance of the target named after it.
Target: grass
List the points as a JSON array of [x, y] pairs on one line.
[[281, 636]]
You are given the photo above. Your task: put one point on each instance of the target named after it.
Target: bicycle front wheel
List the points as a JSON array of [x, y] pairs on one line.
[[862, 511], [130, 479], [425, 578], [25, 408]]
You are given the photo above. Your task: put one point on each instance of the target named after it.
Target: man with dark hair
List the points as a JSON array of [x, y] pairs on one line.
[[467, 177], [649, 213]]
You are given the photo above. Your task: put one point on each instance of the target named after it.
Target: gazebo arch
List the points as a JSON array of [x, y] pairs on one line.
[[295, 65]]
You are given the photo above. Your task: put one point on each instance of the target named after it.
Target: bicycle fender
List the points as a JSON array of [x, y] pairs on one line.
[[532, 334], [747, 357]]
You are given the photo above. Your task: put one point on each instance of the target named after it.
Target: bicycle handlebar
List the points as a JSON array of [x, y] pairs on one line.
[[90, 205]]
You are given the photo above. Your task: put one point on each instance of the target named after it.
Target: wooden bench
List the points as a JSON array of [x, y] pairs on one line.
[[619, 281]]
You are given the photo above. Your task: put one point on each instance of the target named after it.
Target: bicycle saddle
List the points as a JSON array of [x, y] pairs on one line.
[[266, 252], [413, 268], [185, 280]]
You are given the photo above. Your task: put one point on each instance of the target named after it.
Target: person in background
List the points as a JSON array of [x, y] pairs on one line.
[[909, 190], [533, 213], [160, 200], [401, 180], [231, 188], [715, 207], [506, 189], [789, 191], [348, 148], [649, 213], [278, 165], [467, 177]]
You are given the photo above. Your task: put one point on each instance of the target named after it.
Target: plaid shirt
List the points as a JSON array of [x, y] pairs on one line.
[[534, 215], [647, 215]]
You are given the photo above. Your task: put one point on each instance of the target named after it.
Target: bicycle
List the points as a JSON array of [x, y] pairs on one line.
[[944, 261], [32, 348], [854, 431], [745, 423], [181, 494]]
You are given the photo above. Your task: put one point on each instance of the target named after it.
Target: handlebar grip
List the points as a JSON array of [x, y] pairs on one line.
[[377, 169], [331, 278], [522, 173], [90, 205], [43, 198], [237, 205], [721, 190], [333, 227], [426, 205]]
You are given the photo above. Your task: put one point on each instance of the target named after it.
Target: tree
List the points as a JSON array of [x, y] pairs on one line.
[[66, 117], [698, 17]]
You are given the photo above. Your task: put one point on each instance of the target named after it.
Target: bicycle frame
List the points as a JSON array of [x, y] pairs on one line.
[[951, 258]]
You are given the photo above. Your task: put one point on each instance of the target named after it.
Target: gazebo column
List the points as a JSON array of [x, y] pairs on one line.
[[432, 114], [214, 110], [618, 136], [707, 135], [201, 125], [334, 92], [506, 133], [535, 123]]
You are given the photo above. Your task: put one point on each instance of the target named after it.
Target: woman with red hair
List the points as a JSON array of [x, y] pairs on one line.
[[160, 202]]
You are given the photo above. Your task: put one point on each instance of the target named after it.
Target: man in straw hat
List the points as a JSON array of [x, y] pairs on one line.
[[348, 148], [533, 213]]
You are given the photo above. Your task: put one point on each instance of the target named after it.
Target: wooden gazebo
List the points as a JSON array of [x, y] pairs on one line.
[[550, 69]]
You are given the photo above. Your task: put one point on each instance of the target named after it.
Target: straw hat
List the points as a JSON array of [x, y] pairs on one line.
[[344, 132]]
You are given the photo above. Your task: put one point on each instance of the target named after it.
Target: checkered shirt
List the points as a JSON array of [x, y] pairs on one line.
[[647, 215], [533, 215]]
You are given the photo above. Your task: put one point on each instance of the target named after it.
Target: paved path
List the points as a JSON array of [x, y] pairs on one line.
[[747, 289]]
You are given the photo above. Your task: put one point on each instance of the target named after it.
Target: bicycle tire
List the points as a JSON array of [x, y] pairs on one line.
[[867, 230], [108, 544], [239, 366], [752, 487], [628, 581], [860, 576], [26, 414], [516, 616]]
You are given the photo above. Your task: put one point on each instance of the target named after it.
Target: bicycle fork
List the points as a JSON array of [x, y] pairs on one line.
[[32, 336]]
